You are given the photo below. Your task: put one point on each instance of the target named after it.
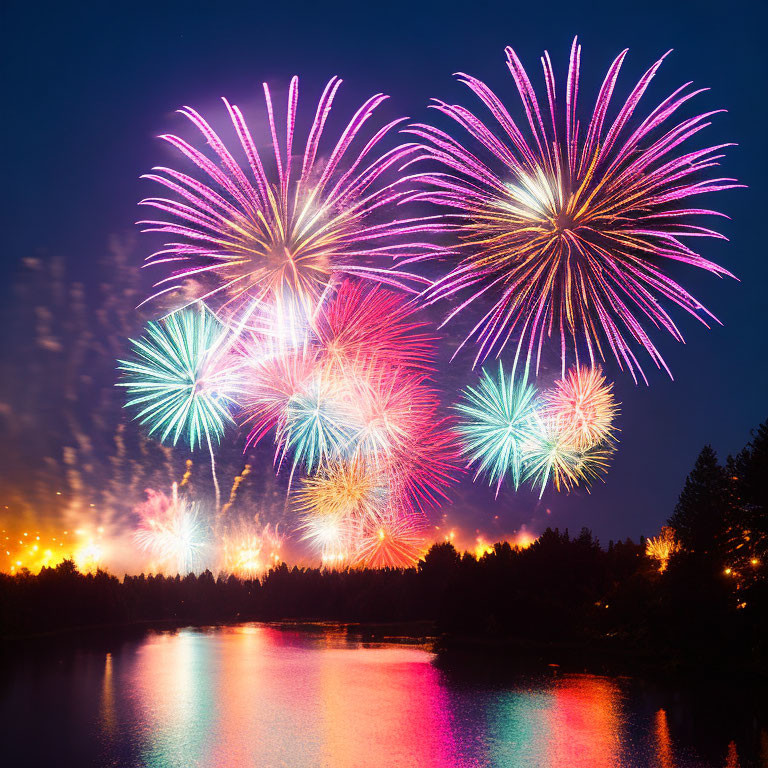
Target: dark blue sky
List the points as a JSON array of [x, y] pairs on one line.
[[87, 86]]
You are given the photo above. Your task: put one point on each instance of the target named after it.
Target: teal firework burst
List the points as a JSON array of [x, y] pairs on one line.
[[550, 454], [495, 425], [178, 380], [319, 424]]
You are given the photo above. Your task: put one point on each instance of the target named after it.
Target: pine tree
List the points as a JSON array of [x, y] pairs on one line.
[[748, 473], [701, 516]]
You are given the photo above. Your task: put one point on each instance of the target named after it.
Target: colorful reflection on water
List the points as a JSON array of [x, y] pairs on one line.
[[256, 695]]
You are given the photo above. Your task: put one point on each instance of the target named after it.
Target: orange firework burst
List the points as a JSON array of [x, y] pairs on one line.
[[662, 547], [343, 489], [392, 541], [583, 404], [248, 551]]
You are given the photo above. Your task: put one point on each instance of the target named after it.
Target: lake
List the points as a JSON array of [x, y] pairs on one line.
[[266, 695]]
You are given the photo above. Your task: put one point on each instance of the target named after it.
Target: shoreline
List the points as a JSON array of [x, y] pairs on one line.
[[508, 657]]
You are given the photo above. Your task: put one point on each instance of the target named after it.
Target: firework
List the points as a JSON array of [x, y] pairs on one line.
[[422, 469], [392, 541], [662, 547], [180, 381], [272, 382], [248, 551], [244, 234], [336, 504], [550, 455], [592, 463], [332, 535], [344, 489], [89, 556], [177, 382], [318, 424], [361, 324], [584, 405], [172, 530], [496, 422], [393, 409], [567, 232]]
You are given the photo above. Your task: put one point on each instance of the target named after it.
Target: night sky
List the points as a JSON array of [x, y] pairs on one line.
[[87, 87]]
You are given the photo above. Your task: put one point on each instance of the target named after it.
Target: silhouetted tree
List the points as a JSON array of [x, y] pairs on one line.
[[748, 473], [562, 595], [700, 517]]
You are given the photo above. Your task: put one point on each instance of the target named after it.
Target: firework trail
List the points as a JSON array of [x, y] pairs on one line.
[[79, 465], [233, 492], [567, 231]]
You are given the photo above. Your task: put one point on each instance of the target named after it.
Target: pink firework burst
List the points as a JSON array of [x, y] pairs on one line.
[[566, 226], [271, 382], [582, 403], [391, 541], [425, 468], [361, 324], [394, 408], [289, 227]]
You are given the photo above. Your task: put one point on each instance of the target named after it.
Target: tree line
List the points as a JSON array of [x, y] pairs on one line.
[[562, 596]]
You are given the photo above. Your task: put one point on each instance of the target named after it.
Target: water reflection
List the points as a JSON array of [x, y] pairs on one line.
[[258, 695], [663, 740]]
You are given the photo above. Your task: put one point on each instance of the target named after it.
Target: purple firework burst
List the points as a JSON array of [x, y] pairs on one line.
[[565, 227], [285, 228]]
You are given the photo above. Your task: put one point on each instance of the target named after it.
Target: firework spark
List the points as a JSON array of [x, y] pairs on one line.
[[247, 234], [181, 381], [662, 547], [177, 381], [272, 382], [592, 463], [319, 423], [394, 409], [332, 535], [249, 551], [360, 325], [344, 489], [173, 531], [550, 455], [336, 504], [568, 232], [583, 404], [495, 424], [392, 541]]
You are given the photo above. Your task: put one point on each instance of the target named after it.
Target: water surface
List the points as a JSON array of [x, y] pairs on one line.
[[260, 695]]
